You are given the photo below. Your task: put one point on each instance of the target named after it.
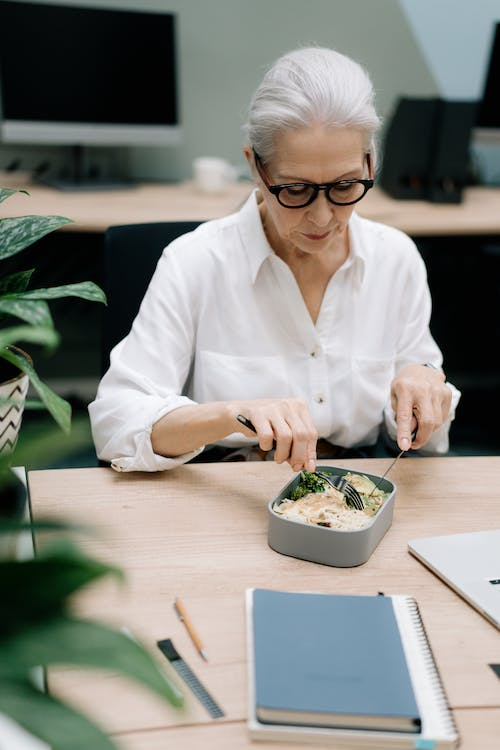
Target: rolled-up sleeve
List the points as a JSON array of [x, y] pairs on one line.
[[147, 373], [123, 415]]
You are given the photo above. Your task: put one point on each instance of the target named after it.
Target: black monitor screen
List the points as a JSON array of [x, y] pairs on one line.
[[73, 64], [489, 110]]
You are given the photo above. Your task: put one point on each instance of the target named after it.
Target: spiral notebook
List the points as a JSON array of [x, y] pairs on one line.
[[349, 671]]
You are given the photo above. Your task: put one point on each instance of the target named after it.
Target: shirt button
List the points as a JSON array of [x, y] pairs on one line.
[[315, 353], [319, 398]]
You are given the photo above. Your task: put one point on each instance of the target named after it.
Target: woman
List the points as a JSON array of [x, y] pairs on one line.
[[294, 312]]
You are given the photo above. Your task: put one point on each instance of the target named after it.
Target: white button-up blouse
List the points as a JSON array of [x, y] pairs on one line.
[[223, 318]]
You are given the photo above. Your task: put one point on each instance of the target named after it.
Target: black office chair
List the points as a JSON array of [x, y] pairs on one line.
[[131, 252]]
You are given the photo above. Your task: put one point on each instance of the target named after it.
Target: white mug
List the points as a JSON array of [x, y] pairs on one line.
[[212, 175]]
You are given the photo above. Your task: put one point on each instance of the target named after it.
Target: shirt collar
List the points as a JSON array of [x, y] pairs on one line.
[[259, 250], [254, 239], [357, 247]]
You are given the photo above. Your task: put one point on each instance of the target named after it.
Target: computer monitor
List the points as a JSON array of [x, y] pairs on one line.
[[87, 76], [488, 120]]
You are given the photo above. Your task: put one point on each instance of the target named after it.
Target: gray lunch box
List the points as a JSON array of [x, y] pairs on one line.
[[342, 549]]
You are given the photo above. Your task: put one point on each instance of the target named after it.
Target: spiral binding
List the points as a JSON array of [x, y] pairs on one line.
[[435, 682]]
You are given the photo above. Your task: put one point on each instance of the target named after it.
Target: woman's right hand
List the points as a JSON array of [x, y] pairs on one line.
[[284, 421]]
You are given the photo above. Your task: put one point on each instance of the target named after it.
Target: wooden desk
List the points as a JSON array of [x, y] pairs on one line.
[[95, 211], [478, 214], [199, 532]]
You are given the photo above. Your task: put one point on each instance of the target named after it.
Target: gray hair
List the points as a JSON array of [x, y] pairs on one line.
[[313, 85]]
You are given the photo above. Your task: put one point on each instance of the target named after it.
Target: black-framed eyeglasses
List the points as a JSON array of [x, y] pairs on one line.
[[302, 194]]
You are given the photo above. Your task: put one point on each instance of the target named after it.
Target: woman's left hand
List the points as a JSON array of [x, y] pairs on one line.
[[420, 399]]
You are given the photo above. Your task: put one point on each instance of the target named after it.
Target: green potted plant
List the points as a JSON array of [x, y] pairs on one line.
[[38, 628], [25, 319]]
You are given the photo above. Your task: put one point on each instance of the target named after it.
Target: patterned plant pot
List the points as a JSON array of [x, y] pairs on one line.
[[13, 389]]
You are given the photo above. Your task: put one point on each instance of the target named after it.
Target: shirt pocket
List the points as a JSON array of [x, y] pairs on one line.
[[222, 377]]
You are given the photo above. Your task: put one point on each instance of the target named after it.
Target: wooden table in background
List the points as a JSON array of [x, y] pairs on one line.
[[95, 211], [200, 532]]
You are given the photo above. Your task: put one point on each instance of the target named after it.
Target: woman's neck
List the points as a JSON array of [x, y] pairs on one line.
[[312, 271]]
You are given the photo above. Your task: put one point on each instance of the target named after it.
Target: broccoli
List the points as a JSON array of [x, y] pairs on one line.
[[308, 482]]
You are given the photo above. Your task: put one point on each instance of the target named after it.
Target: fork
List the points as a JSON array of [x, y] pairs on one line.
[[351, 495]]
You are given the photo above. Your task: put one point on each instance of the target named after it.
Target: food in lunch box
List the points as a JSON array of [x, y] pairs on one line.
[[314, 501]]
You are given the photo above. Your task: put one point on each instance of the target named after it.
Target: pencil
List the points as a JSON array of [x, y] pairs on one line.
[[184, 617]]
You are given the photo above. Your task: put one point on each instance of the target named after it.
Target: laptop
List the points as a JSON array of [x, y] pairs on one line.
[[469, 563]]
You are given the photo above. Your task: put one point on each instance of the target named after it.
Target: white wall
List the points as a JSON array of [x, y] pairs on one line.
[[455, 39], [224, 47], [410, 47]]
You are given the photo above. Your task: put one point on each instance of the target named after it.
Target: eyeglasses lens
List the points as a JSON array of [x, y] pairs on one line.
[[341, 193]]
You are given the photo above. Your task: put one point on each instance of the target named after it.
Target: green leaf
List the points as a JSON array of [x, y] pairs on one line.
[[8, 525], [35, 335], [56, 406], [19, 232], [34, 405], [33, 311], [66, 640], [42, 445], [47, 718], [36, 589], [7, 192], [84, 289], [15, 282]]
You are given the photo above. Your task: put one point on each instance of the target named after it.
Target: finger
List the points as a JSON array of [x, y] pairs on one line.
[[288, 428], [263, 428], [432, 417], [426, 418], [311, 454], [264, 439], [283, 435], [445, 404], [309, 462], [303, 449], [267, 440], [305, 439], [312, 440], [405, 422]]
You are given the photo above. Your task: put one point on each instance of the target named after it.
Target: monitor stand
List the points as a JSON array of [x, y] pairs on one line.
[[81, 177]]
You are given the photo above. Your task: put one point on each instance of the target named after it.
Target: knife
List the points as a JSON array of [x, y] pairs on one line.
[[413, 435]]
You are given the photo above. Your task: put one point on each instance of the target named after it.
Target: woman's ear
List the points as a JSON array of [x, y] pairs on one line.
[[248, 155], [248, 151]]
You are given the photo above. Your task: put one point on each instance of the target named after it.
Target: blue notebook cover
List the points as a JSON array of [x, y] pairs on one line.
[[331, 660]]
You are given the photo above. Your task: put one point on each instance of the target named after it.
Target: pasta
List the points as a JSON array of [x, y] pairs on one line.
[[326, 506]]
